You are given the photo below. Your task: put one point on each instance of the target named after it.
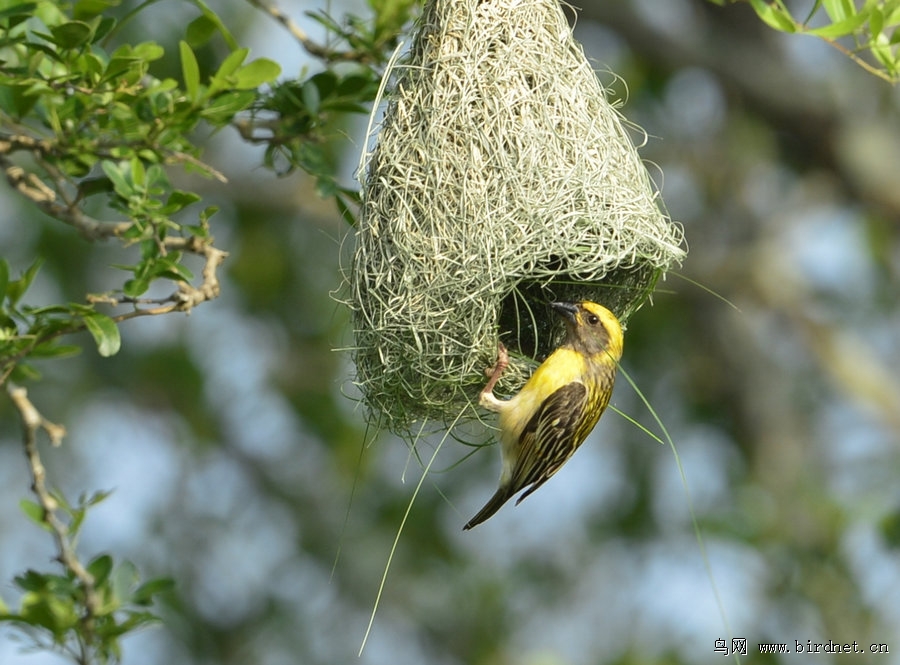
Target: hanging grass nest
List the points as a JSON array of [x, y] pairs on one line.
[[502, 179]]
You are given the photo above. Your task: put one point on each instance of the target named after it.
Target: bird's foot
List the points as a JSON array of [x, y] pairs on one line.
[[487, 399], [500, 366]]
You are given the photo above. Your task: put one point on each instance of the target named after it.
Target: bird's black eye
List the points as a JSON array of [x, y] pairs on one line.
[[593, 319]]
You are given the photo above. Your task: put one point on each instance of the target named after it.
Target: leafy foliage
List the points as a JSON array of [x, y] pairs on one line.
[[85, 122], [93, 138], [303, 113], [89, 127], [53, 608], [869, 34]]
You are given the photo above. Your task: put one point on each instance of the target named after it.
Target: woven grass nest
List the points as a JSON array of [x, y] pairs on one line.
[[501, 179]]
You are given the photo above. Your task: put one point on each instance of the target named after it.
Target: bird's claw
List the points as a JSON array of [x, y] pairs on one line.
[[501, 364], [487, 399]]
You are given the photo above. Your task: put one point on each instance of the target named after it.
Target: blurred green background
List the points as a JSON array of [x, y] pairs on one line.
[[242, 467]]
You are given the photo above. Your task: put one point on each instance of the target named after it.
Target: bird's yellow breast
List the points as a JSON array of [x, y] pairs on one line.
[[563, 366]]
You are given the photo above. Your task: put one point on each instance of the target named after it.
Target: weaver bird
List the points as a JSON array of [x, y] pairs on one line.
[[551, 416]]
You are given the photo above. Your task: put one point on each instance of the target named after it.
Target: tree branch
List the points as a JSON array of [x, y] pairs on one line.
[[35, 190], [32, 423], [187, 296]]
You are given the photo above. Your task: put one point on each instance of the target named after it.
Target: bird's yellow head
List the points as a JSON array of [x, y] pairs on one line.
[[592, 329]]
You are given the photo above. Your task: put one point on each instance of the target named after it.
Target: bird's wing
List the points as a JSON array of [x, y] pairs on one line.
[[550, 437]]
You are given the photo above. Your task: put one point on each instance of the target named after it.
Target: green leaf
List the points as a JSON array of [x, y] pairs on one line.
[[876, 22], [50, 13], [97, 497], [17, 288], [35, 513], [841, 28], [391, 15], [309, 93], [31, 581], [358, 86], [126, 67], [144, 594], [52, 349], [16, 101], [104, 27], [69, 308], [326, 82], [86, 9], [839, 10], [89, 65], [345, 210], [156, 180], [136, 620], [56, 613], [882, 51], [180, 199], [92, 186], [148, 51], [117, 176], [325, 21], [138, 173], [25, 9], [169, 268], [190, 70], [232, 61], [136, 287], [892, 14], [212, 16], [256, 73], [200, 31], [77, 516], [105, 333], [226, 105], [23, 372], [326, 187], [774, 16], [72, 35], [100, 568], [63, 502]]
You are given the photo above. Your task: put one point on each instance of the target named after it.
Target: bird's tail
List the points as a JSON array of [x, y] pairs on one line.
[[502, 495]]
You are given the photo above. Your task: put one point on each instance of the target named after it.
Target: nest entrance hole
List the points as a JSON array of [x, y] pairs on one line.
[[528, 327]]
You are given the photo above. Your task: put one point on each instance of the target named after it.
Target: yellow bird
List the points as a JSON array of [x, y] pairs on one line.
[[551, 416]]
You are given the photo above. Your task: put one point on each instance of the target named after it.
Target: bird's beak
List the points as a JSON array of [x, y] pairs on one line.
[[567, 310]]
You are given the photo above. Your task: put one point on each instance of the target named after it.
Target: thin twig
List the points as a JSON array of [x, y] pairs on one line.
[[872, 69], [309, 45], [296, 31], [21, 142], [177, 157], [187, 296], [33, 422], [184, 299], [209, 289], [36, 190]]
